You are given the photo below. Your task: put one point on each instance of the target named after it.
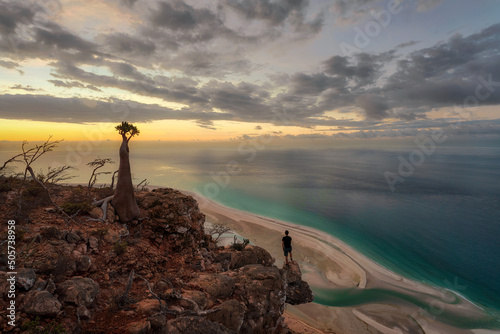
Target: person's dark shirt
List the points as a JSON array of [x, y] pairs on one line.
[[287, 241]]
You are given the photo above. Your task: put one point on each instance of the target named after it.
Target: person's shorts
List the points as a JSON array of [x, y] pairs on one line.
[[287, 250]]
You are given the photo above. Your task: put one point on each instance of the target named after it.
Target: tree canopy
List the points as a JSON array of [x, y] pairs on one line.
[[127, 128]]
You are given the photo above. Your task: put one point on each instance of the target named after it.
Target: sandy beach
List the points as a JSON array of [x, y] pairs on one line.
[[328, 264]]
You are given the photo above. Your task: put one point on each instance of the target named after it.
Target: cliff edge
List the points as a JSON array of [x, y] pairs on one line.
[[160, 275]]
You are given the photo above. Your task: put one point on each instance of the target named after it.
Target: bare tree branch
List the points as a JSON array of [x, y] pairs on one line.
[[144, 183], [217, 229], [113, 180], [97, 164]]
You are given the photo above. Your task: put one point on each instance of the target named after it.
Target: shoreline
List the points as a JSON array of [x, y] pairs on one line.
[[330, 264]]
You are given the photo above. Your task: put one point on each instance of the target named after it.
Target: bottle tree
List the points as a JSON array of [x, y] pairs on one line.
[[123, 200]]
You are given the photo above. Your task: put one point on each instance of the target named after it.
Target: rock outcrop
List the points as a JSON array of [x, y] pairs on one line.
[[297, 290], [123, 272]]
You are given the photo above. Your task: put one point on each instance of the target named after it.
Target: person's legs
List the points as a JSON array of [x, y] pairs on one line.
[[291, 257]]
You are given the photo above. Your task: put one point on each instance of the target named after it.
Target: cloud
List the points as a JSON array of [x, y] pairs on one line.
[[426, 5], [126, 45], [363, 71], [407, 44], [374, 107], [54, 35], [276, 14], [181, 16], [11, 14], [75, 110], [8, 64], [27, 88], [200, 55], [73, 84]]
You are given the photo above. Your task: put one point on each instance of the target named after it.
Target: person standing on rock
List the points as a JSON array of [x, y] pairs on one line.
[[286, 242]]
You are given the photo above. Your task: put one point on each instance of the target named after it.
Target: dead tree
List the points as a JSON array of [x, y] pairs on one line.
[[57, 174], [29, 156], [97, 164]]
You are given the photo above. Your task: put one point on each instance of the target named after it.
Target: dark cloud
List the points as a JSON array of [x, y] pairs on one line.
[[75, 110], [314, 84], [245, 101], [73, 84], [278, 13], [206, 124], [448, 73], [27, 88], [8, 64], [55, 36], [374, 107], [363, 71], [126, 45], [407, 44], [147, 87], [12, 14], [187, 53]]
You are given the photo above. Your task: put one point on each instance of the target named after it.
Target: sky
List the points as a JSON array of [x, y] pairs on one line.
[[226, 69]]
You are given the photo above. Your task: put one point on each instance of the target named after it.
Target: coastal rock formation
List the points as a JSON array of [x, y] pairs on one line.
[[297, 290], [125, 271]]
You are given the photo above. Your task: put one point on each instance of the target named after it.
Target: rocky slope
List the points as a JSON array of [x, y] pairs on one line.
[[160, 275]]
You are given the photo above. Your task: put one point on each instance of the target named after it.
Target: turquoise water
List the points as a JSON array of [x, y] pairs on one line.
[[440, 226]]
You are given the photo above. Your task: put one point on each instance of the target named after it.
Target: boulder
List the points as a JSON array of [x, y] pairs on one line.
[[195, 325], [51, 286], [149, 306], [297, 290], [251, 255], [41, 303], [65, 266], [83, 313], [83, 263], [138, 327], [262, 290], [158, 321], [216, 285], [78, 291], [231, 315], [224, 259], [93, 243], [198, 297], [25, 278], [72, 237]]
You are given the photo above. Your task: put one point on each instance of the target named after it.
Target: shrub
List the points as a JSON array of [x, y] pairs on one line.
[[73, 208], [240, 246], [100, 233], [51, 232], [120, 247]]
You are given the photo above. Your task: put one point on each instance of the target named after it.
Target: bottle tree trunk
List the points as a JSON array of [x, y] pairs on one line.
[[124, 201]]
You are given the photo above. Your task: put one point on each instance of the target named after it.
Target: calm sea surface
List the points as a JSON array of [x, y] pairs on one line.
[[441, 225]]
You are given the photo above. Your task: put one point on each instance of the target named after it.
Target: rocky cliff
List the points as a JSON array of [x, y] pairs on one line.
[[160, 275]]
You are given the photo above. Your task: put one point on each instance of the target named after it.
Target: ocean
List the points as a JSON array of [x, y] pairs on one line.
[[439, 224]]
